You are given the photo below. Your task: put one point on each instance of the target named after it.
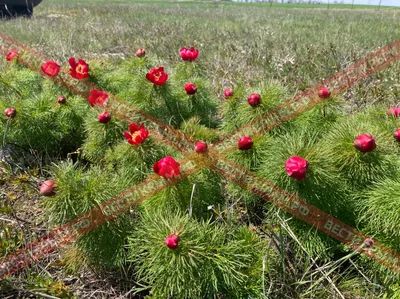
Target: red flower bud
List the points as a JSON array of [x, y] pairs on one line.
[[365, 143], [245, 143], [190, 88], [50, 68], [167, 167], [254, 99], [394, 111], [47, 188], [228, 93], [201, 147], [61, 100], [140, 52], [172, 241], [10, 112], [10, 56], [104, 117], [396, 134], [296, 167], [324, 92], [189, 54]]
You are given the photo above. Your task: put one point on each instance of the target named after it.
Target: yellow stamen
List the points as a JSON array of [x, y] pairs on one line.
[[79, 69], [157, 75], [135, 134]]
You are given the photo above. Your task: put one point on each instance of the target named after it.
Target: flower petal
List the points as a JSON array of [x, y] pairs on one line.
[[72, 62], [133, 128], [127, 135]]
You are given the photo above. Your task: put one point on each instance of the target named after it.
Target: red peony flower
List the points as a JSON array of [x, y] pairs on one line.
[[104, 117], [172, 241], [167, 167], [50, 68], [10, 56], [365, 143], [254, 99], [189, 54], [79, 70], [157, 76], [190, 88], [324, 92], [47, 188], [396, 135], [228, 93], [245, 143], [97, 98], [296, 167], [61, 100], [10, 112], [394, 111], [201, 147], [137, 134], [140, 52]]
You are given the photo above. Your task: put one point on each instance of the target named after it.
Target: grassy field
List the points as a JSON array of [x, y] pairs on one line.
[[321, 6], [297, 47], [250, 44], [246, 4]]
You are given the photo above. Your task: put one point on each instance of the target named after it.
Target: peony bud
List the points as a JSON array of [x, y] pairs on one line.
[[141, 52], [200, 147], [10, 112], [254, 99], [394, 111], [365, 143], [296, 167], [228, 93], [62, 100], [10, 56], [104, 117], [172, 241], [324, 92], [190, 88], [47, 188], [50, 68], [245, 143], [189, 54], [167, 167], [396, 135]]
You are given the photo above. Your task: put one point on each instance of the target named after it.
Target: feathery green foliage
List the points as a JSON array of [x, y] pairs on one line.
[[232, 243], [80, 190], [379, 210], [212, 258]]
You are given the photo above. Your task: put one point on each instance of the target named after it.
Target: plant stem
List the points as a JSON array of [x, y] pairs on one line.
[[5, 132]]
